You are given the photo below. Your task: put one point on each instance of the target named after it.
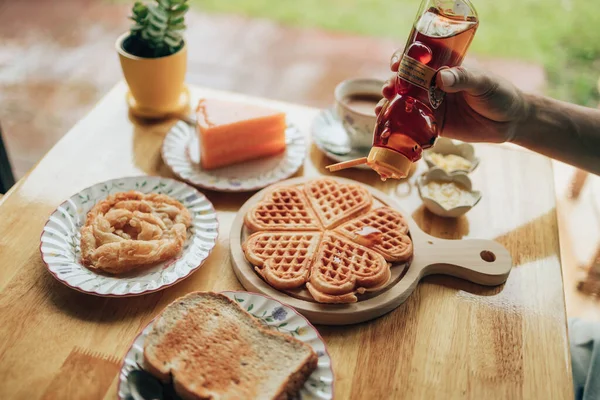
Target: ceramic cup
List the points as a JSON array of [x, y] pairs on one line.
[[358, 125]]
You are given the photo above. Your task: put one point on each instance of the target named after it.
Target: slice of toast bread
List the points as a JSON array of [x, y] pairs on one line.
[[213, 349]]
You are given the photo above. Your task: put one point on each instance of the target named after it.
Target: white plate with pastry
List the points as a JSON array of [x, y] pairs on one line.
[[129, 236], [228, 353], [234, 147]]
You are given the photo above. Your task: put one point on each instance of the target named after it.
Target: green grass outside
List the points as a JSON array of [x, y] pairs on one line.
[[562, 35]]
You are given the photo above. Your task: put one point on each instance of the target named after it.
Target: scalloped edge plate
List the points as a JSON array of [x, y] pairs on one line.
[[447, 146], [60, 239], [180, 152], [273, 313], [437, 208], [329, 135]]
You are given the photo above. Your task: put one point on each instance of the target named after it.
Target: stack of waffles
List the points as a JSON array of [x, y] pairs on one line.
[[325, 236]]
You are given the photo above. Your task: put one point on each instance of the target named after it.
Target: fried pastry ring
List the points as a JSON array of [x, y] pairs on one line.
[[131, 229]]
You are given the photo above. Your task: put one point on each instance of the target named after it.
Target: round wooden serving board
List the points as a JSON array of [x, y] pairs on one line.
[[480, 261]]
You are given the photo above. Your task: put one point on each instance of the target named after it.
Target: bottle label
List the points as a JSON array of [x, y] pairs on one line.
[[436, 95], [415, 72], [421, 75]]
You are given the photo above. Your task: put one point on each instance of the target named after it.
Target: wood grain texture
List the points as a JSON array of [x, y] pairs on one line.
[[84, 375], [450, 339]]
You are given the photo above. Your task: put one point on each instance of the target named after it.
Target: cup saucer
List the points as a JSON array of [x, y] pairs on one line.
[[332, 139]]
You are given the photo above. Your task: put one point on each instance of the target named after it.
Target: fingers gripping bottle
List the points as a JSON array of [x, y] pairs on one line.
[[411, 121]]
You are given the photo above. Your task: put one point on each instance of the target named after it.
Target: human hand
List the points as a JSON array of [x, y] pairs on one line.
[[480, 107]]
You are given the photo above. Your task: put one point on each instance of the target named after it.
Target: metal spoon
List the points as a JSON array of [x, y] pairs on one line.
[[144, 386]]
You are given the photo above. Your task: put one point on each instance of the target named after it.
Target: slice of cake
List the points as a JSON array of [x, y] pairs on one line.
[[233, 132]]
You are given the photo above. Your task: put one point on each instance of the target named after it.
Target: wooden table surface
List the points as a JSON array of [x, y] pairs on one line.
[[450, 339]]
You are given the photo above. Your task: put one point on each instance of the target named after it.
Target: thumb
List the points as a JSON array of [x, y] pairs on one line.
[[460, 79]]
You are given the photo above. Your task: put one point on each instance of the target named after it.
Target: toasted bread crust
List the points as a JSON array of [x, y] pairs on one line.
[[297, 379], [193, 388]]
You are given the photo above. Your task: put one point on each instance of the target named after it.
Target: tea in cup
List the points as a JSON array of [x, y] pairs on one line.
[[355, 101]]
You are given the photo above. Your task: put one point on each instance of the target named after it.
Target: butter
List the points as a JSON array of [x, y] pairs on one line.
[[448, 194], [368, 236], [366, 231], [450, 162]]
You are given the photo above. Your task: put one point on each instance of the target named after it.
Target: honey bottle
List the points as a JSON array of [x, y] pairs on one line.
[[411, 121]]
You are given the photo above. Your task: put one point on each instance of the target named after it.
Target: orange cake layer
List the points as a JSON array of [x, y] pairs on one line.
[[233, 132]]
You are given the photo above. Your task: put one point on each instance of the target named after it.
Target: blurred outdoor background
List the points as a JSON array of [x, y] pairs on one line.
[[562, 36], [57, 59]]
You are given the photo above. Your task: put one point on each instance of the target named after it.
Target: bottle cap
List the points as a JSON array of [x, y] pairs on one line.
[[388, 163]]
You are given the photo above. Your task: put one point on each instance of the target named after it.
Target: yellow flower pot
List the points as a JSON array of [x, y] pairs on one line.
[[156, 85]]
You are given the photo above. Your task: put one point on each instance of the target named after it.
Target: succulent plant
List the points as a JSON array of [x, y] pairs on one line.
[[158, 28]]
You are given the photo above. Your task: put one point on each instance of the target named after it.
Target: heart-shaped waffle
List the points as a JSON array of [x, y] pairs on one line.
[[383, 230], [343, 268], [284, 208], [335, 265], [283, 259], [335, 203]]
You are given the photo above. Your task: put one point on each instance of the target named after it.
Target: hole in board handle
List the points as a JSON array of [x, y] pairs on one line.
[[487, 256]]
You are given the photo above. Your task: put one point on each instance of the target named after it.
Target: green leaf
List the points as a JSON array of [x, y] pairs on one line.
[[269, 319], [250, 307], [139, 8], [282, 325], [177, 27], [178, 20], [155, 22], [154, 31], [172, 42], [161, 25], [151, 36], [158, 26], [158, 13], [179, 11], [239, 300], [173, 35]]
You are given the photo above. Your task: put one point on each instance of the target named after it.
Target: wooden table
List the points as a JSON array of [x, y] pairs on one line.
[[451, 339]]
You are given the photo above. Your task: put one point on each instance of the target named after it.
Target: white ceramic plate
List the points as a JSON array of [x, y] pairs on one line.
[[61, 237], [332, 139], [279, 317], [181, 152]]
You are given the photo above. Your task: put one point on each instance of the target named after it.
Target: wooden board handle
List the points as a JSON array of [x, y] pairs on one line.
[[480, 261]]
